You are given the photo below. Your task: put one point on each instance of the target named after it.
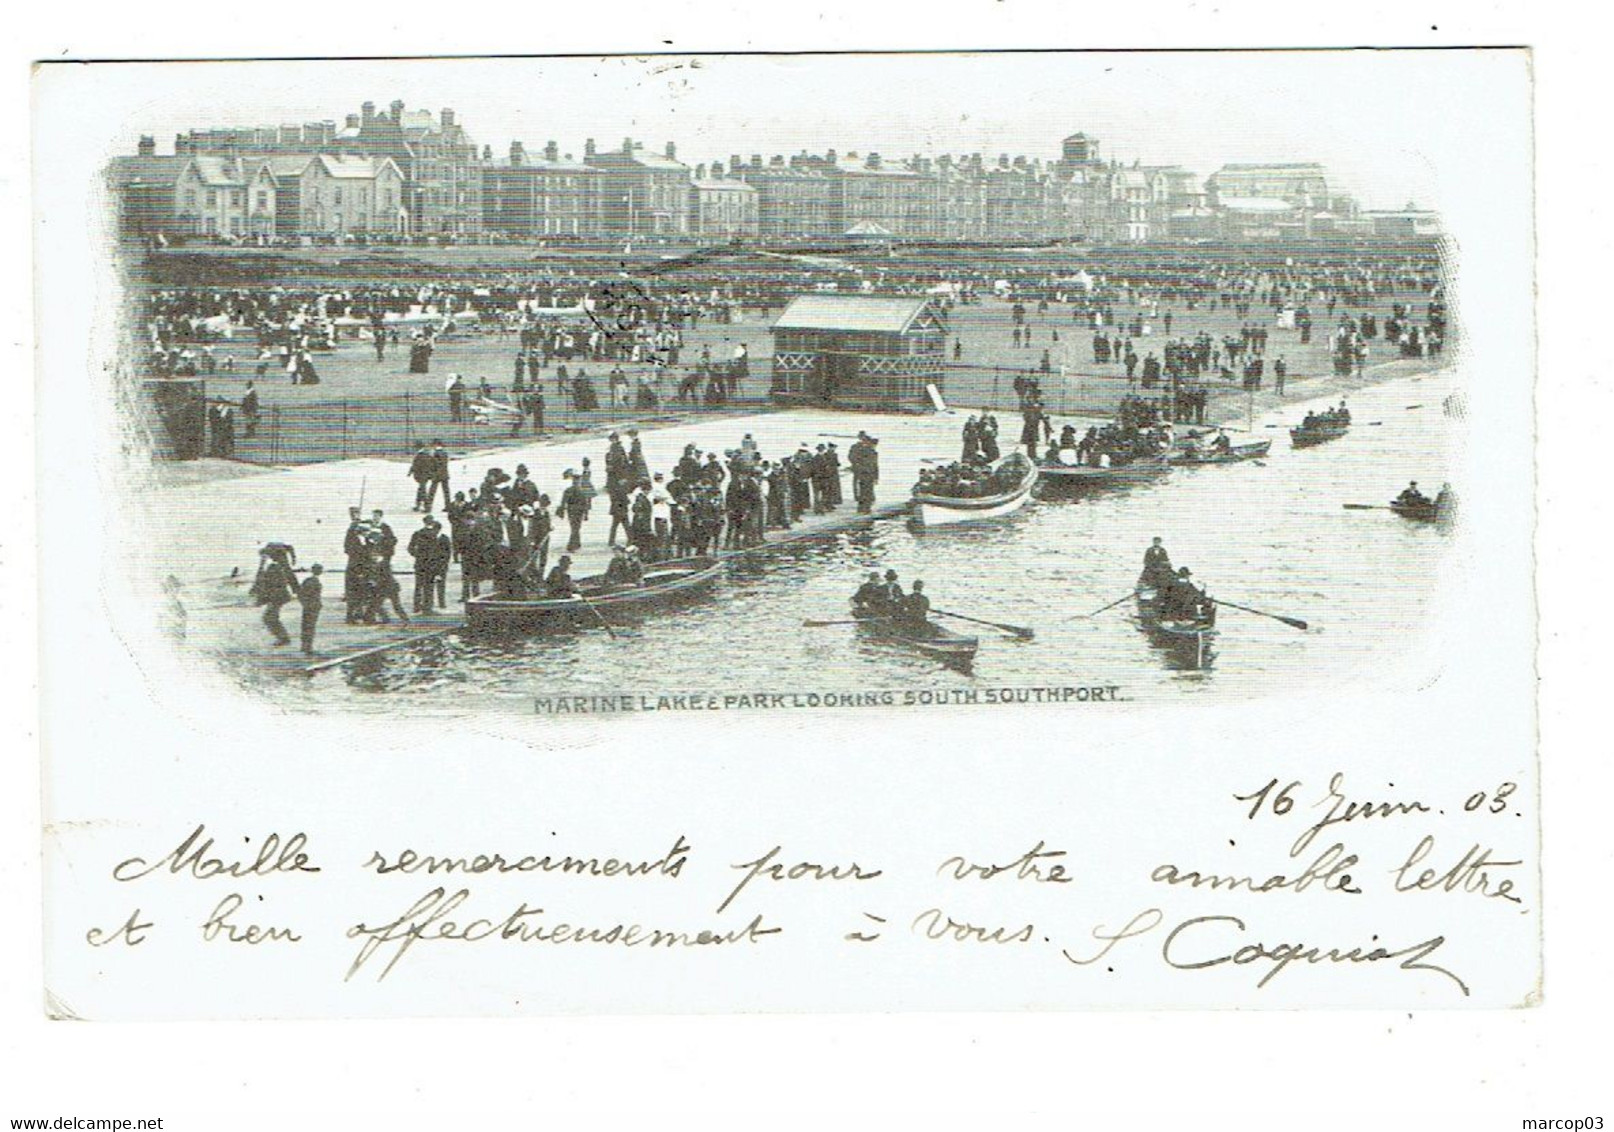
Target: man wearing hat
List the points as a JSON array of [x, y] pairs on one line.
[[431, 549], [574, 508], [309, 593], [894, 597], [456, 395], [865, 462], [420, 470], [437, 474], [870, 596], [1157, 565], [355, 546], [522, 491]]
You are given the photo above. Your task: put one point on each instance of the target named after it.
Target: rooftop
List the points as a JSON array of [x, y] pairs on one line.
[[865, 313]]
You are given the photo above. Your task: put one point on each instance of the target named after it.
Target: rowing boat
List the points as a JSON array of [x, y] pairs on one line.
[[665, 583], [944, 510], [1190, 640], [928, 638], [1135, 472], [1427, 511], [1236, 454], [1318, 433]]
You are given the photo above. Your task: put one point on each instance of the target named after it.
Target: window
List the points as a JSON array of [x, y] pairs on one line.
[[235, 198], [263, 202], [336, 195], [190, 200], [212, 198]]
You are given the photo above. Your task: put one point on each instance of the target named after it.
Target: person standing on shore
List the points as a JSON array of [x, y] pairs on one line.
[[355, 547], [864, 458], [274, 586], [310, 595], [431, 550], [574, 508]]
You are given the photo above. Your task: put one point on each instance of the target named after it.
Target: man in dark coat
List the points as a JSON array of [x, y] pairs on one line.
[[865, 460], [250, 411], [574, 508], [1157, 565], [385, 542], [274, 586], [420, 470], [431, 550], [355, 546], [310, 596], [437, 468]]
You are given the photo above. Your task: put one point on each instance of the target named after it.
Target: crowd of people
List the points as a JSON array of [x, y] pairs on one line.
[[973, 478], [501, 531]]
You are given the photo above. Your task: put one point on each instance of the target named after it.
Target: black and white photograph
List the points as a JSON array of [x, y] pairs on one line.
[[1038, 381], [679, 534]]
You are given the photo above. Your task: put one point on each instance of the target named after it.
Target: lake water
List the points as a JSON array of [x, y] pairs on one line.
[[1270, 534]]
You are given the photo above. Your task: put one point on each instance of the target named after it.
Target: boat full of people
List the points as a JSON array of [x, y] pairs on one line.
[[1220, 449], [1126, 450], [628, 586], [1318, 428], [968, 491], [881, 609]]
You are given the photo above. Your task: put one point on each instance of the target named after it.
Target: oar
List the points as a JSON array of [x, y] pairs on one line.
[[1108, 607], [821, 624], [1366, 507], [1294, 622], [598, 616], [324, 664], [1017, 630]]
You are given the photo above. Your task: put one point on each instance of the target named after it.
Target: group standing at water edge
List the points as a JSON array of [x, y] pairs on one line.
[[501, 532]]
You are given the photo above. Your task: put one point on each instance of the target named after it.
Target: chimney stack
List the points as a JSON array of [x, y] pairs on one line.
[[588, 149], [518, 153], [397, 111], [353, 121], [447, 118], [551, 151], [700, 172], [367, 113], [627, 146], [672, 152], [147, 146]]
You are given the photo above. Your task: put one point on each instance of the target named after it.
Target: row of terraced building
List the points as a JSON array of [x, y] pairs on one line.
[[397, 173]]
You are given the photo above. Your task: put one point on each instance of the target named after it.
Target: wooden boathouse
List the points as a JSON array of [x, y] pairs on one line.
[[858, 352]]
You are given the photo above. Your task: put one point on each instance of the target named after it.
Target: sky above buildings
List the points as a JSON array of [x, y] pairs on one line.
[[1387, 125]]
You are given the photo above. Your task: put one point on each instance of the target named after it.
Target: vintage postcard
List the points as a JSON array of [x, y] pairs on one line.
[[715, 533]]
